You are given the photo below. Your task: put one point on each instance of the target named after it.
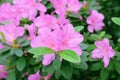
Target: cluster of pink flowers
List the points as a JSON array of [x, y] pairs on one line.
[[49, 31], [55, 33], [64, 37]]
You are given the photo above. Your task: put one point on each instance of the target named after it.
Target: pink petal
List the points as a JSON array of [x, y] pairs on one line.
[[35, 76], [106, 61], [48, 58], [99, 26], [90, 28], [32, 14], [77, 50], [76, 40], [41, 7], [19, 31], [96, 54]]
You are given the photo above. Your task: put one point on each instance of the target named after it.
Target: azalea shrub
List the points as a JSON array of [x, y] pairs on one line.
[[59, 40]]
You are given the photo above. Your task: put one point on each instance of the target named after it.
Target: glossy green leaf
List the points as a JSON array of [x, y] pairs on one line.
[[11, 75], [116, 20], [104, 75], [66, 70], [96, 66], [18, 52], [57, 63], [79, 28], [70, 56], [21, 62], [40, 51], [117, 66]]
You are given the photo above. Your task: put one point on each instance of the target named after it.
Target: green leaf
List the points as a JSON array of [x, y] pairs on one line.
[[66, 70], [40, 58], [84, 56], [4, 50], [96, 66], [48, 69], [102, 34], [4, 23], [70, 56], [36, 68], [116, 20], [11, 75], [104, 74], [6, 44], [91, 47], [83, 65], [21, 62], [117, 66], [83, 46], [18, 52], [12, 51], [25, 43], [40, 51], [3, 37], [79, 28], [111, 65], [57, 74], [57, 63]]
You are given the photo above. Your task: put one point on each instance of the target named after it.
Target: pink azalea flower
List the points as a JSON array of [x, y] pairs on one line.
[[95, 21], [3, 72], [29, 10], [48, 39], [74, 5], [8, 14], [11, 32], [60, 6], [35, 76], [63, 6], [46, 20], [104, 51], [71, 39], [31, 29], [56, 41], [49, 21]]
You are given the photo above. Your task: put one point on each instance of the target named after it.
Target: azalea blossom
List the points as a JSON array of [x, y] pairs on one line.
[[95, 21], [104, 51], [56, 41], [74, 5], [8, 13], [12, 32], [50, 21], [64, 6], [46, 20], [3, 72], [29, 10]]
